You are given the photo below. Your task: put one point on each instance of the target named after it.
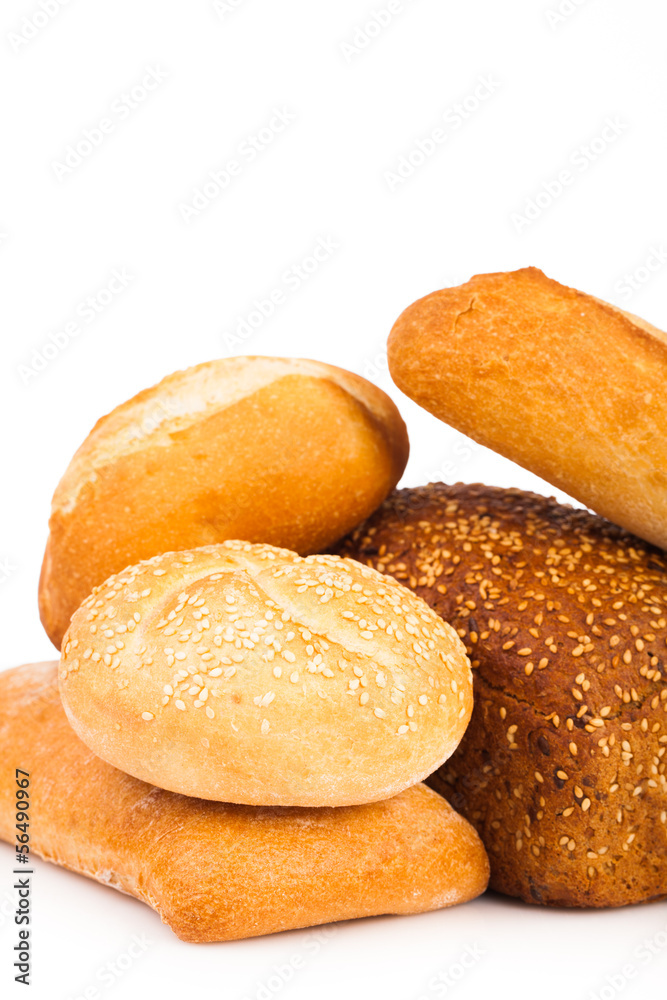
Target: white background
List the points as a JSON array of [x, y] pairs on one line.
[[555, 82]]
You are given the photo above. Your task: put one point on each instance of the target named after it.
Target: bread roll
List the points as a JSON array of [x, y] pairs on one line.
[[216, 872], [277, 450], [245, 673], [562, 769], [558, 381]]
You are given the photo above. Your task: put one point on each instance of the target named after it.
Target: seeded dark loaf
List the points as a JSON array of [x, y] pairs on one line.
[[280, 450], [592, 378], [564, 615], [216, 872]]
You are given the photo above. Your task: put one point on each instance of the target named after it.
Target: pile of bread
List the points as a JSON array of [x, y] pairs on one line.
[[266, 648]]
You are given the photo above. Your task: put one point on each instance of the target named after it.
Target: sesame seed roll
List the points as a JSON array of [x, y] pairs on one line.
[[246, 673]]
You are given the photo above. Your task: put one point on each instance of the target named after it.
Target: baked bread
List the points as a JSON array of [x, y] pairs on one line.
[[277, 450], [216, 872], [245, 673], [562, 769], [592, 379]]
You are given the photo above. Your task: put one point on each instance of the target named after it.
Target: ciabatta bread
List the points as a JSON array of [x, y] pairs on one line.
[[216, 872]]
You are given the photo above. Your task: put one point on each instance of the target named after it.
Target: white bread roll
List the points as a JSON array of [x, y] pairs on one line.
[[245, 673], [279, 450], [558, 381]]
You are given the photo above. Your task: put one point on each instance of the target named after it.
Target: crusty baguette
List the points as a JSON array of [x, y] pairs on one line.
[[216, 872], [563, 767], [278, 450], [245, 673], [558, 381]]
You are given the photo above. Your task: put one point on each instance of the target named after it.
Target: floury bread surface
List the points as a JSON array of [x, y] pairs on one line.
[[245, 673], [279, 450], [566, 385], [215, 872], [563, 769]]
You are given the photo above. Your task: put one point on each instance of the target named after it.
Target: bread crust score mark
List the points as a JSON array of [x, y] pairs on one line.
[[278, 450]]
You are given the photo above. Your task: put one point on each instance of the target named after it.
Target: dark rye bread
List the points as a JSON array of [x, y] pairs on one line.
[[564, 616]]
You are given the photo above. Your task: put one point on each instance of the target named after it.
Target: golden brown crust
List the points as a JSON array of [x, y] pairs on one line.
[[245, 673], [485, 354], [278, 450], [564, 615], [217, 872]]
